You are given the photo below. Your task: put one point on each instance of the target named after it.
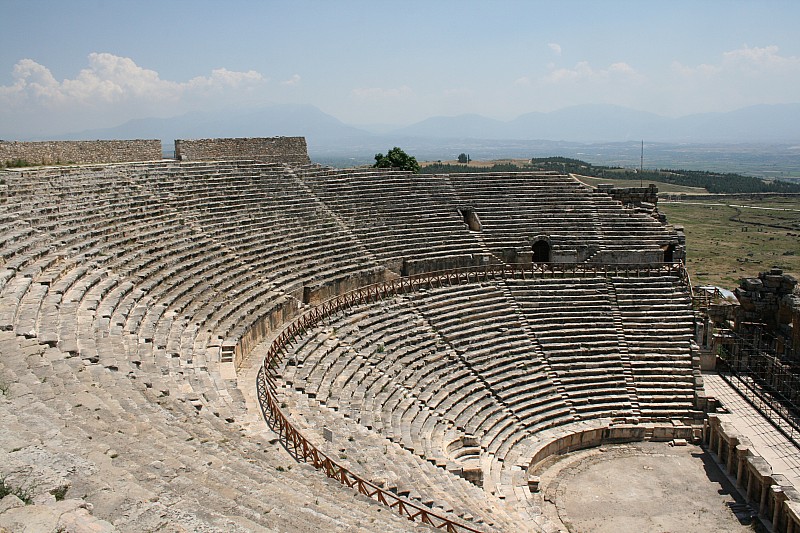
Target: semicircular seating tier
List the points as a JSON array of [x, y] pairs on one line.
[[462, 375], [130, 295]]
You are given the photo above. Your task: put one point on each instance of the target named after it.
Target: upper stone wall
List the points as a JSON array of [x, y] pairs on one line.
[[270, 149], [632, 195], [50, 152]]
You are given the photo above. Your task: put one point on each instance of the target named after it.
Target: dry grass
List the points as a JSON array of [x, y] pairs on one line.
[[662, 187], [480, 164], [726, 243]]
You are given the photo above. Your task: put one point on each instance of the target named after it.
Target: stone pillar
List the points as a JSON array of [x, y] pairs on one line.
[[763, 497], [700, 333], [734, 443], [716, 445], [791, 511], [741, 455], [750, 486], [778, 496]]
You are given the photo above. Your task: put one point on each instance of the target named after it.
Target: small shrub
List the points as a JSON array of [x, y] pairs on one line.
[[60, 493], [26, 495]]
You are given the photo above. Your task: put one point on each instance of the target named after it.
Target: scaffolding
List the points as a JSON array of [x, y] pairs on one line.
[[769, 382]]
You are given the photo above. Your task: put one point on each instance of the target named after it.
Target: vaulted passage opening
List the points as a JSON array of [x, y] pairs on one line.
[[669, 254], [470, 219], [541, 252]]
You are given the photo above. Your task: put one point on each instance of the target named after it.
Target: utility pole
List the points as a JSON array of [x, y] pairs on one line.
[[641, 166]]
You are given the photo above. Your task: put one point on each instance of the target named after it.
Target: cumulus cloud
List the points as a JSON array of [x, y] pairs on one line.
[[583, 71], [555, 47], [379, 93], [766, 56], [294, 80], [739, 78], [112, 79], [746, 60], [112, 89], [583, 83]]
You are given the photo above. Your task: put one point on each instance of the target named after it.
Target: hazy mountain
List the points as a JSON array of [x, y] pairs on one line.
[[446, 137], [606, 123], [760, 123], [469, 126], [287, 120]]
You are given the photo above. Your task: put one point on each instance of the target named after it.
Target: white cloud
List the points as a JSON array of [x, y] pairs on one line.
[[739, 78], [555, 87], [755, 61], [457, 92], [555, 47], [379, 93], [110, 90], [294, 80], [763, 57], [113, 79], [583, 71]]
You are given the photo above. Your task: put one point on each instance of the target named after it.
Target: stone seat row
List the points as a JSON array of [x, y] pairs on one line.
[[393, 467], [377, 409], [147, 291], [181, 467]]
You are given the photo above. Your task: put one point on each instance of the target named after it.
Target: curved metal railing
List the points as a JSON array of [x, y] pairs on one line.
[[304, 450]]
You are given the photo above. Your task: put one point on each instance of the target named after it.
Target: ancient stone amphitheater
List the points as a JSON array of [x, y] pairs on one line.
[[241, 340]]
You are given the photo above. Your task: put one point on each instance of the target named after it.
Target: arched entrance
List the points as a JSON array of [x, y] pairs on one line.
[[669, 254], [541, 252]]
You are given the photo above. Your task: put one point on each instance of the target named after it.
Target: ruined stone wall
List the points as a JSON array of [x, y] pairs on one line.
[[771, 299], [269, 149], [63, 152], [632, 195]]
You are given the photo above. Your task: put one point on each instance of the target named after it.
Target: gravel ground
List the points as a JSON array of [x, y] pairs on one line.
[[642, 487]]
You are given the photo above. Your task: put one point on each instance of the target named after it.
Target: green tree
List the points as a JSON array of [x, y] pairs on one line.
[[463, 158], [396, 158]]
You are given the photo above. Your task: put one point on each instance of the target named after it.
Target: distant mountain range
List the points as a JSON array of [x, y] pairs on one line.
[[327, 135], [606, 123]]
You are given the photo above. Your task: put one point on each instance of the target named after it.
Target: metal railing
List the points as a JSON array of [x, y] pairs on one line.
[[304, 450]]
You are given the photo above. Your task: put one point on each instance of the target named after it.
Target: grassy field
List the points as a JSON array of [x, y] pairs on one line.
[[480, 164], [726, 241], [662, 187]]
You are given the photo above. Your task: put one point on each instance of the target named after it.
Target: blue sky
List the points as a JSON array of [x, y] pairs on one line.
[[79, 64]]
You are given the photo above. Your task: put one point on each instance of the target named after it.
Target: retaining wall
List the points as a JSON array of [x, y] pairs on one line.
[[63, 152], [269, 149]]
